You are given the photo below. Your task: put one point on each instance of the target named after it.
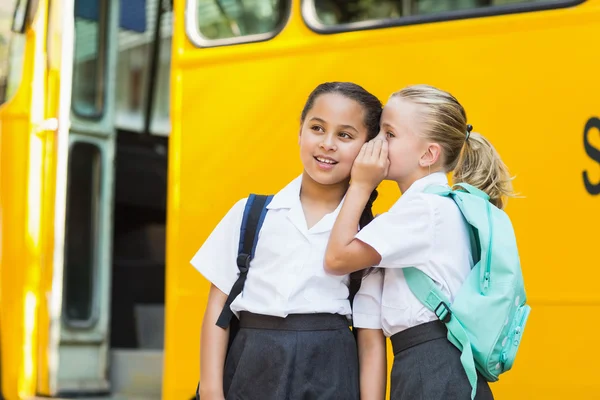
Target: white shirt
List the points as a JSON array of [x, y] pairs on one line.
[[421, 230], [286, 275]]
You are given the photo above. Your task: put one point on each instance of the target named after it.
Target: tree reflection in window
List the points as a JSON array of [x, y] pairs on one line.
[[220, 19]]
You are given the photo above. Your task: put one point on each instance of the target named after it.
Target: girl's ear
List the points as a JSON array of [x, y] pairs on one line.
[[431, 156]]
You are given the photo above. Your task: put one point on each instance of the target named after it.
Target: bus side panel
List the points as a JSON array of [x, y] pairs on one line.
[[528, 83], [13, 174], [21, 196]]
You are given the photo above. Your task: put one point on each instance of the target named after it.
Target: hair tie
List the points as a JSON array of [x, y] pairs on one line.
[[469, 129]]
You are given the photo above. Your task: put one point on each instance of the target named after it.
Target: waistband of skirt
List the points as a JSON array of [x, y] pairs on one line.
[[418, 334], [294, 322]]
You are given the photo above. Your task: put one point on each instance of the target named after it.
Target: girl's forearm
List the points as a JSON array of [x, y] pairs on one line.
[[373, 364], [213, 347], [345, 254]]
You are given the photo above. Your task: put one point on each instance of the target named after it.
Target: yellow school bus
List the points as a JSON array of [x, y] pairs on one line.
[[128, 128]]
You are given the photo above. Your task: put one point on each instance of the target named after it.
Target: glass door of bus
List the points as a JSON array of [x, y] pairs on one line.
[[111, 202], [77, 342]]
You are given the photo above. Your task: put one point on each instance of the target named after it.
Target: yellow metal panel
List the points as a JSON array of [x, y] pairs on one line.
[[22, 167], [13, 167]]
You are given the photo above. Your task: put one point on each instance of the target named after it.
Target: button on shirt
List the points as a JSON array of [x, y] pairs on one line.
[[286, 275], [421, 230]]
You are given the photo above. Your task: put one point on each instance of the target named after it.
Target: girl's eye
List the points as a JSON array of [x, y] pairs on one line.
[[317, 128], [389, 134], [345, 135]]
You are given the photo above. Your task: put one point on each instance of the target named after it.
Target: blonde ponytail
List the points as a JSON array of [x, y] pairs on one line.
[[480, 165]]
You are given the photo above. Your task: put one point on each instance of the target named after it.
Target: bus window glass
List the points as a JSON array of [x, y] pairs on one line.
[[225, 19], [160, 121], [89, 58], [136, 41], [12, 47], [83, 194], [339, 12]]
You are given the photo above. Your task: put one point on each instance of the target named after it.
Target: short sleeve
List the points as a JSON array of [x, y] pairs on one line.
[[404, 235], [216, 259], [366, 310]]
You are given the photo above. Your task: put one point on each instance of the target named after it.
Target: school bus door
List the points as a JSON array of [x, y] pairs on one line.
[[55, 175], [74, 344], [31, 125]]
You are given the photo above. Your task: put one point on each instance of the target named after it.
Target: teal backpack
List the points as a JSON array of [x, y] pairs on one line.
[[487, 317]]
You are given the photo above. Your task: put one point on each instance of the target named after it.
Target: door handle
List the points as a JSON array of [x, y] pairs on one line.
[[47, 125]]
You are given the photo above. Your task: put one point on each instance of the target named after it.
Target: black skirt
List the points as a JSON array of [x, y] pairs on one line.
[[303, 357], [427, 367]]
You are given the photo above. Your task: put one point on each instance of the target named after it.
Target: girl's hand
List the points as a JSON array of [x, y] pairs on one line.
[[371, 165]]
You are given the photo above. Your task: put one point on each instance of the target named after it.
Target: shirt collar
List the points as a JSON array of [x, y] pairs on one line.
[[288, 196], [437, 178]]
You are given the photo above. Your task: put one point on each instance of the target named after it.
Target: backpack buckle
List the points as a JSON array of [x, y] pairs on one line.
[[444, 314], [243, 262]]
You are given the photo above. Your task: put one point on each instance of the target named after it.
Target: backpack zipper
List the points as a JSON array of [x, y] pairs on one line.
[[486, 275]]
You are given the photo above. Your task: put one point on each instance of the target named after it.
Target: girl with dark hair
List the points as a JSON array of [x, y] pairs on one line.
[[294, 340]]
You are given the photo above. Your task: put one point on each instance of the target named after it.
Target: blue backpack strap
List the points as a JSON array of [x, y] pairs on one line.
[[254, 215], [425, 289], [252, 220]]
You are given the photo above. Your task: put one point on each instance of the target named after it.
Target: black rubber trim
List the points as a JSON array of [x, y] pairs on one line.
[[490, 11], [72, 394]]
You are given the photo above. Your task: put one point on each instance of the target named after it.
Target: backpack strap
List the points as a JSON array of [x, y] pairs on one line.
[[425, 289], [254, 215], [473, 190], [442, 190], [464, 189], [446, 191]]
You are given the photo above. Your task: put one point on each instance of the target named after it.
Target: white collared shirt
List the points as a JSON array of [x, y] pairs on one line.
[[421, 230], [286, 275]]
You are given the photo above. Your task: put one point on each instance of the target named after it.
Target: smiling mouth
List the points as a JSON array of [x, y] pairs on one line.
[[325, 160]]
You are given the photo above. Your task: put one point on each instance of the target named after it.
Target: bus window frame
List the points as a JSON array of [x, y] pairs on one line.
[[22, 12], [25, 10], [193, 33], [309, 15]]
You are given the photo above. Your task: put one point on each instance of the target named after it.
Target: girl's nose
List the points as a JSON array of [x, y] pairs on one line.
[[328, 143]]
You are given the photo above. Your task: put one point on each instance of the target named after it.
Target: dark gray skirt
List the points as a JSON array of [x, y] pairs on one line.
[[301, 357], [430, 370]]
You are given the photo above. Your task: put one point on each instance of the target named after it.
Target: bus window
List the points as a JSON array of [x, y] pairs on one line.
[[83, 195], [139, 48], [160, 123], [324, 14], [220, 22], [89, 58], [12, 46]]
